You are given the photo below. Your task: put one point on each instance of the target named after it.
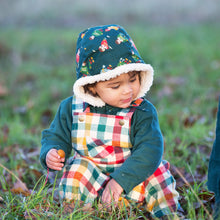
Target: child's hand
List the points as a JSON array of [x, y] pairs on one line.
[[112, 191], [54, 161]]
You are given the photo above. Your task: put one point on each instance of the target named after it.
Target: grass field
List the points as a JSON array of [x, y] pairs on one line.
[[37, 72]]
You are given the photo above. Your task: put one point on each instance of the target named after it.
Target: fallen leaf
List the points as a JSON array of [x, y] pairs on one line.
[[5, 132], [190, 121], [214, 112], [206, 196], [3, 91], [68, 207], [36, 173], [20, 188], [205, 199]]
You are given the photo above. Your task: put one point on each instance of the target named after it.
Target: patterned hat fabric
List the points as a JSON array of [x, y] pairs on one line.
[[105, 52]]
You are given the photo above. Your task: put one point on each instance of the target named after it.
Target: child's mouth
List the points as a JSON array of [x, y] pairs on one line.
[[126, 100]]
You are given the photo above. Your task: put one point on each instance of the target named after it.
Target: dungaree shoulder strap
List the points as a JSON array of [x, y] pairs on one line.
[[77, 105], [129, 111]]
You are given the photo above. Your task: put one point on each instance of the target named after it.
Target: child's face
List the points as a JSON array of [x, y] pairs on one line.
[[119, 91]]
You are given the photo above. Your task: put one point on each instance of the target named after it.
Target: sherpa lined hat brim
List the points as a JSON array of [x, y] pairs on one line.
[[146, 81]]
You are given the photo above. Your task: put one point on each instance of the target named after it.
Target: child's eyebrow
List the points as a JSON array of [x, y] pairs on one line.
[[113, 83], [132, 74]]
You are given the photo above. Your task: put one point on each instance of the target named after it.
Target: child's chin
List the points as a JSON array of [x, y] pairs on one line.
[[125, 105]]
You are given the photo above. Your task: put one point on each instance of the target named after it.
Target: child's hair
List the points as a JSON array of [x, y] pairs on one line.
[[88, 86], [88, 90]]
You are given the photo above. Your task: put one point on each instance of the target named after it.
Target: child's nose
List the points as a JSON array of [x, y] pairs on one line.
[[127, 89]]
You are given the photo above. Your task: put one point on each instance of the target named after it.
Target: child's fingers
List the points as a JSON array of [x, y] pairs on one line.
[[116, 198], [109, 197], [54, 156], [106, 196], [111, 192], [53, 153], [54, 161], [55, 165]]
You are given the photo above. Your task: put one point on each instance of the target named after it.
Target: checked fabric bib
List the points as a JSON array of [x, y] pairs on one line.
[[101, 144]]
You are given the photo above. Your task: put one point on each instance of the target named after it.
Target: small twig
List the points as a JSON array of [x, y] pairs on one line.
[[188, 184], [5, 168]]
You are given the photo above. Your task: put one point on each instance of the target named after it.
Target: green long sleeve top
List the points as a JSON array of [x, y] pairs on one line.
[[214, 163], [145, 136]]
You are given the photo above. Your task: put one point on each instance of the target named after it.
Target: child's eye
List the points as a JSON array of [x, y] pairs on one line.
[[115, 87], [133, 79]]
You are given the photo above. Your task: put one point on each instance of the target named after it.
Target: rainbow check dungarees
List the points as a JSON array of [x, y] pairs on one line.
[[101, 144]]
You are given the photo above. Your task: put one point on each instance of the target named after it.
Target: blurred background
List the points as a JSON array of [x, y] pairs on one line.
[[82, 14], [180, 39]]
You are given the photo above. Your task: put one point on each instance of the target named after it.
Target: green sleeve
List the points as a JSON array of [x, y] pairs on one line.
[[58, 135], [214, 162], [147, 150]]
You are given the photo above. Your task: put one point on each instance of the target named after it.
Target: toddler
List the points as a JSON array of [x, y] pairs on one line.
[[111, 129]]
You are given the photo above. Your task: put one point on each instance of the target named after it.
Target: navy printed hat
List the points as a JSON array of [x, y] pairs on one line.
[[105, 52]]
